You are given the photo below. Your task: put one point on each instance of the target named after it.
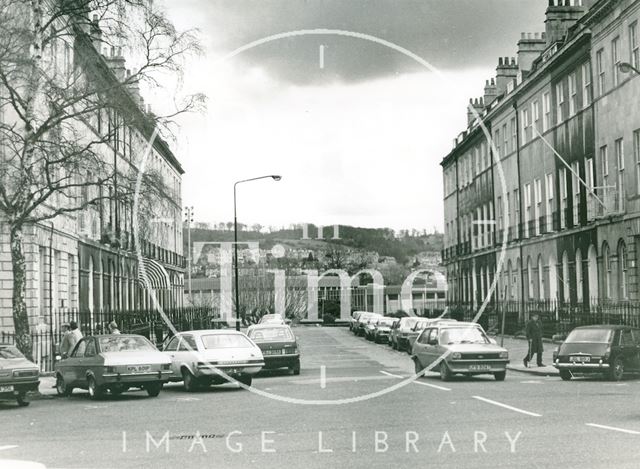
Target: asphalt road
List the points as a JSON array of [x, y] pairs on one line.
[[341, 411]]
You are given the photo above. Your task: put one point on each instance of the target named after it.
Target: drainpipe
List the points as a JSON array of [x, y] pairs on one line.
[[515, 108], [51, 290]]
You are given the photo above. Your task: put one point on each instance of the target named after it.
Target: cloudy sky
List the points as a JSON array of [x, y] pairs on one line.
[[355, 128]]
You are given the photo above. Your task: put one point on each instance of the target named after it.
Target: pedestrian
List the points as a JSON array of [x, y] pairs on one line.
[[65, 344], [113, 328], [75, 335], [534, 338]]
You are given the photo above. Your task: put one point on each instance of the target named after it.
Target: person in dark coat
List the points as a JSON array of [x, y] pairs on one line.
[[534, 338]]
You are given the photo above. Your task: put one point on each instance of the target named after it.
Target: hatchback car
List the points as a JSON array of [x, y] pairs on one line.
[[417, 329], [382, 329], [278, 345], [113, 363], [363, 320], [17, 375], [608, 350], [459, 348], [399, 332], [216, 356], [354, 319]]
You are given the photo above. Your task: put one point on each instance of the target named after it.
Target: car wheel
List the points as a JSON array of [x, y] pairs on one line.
[[189, 381], [153, 389], [500, 375], [417, 366], [246, 380], [617, 370], [95, 391], [565, 375], [445, 372], [61, 387], [295, 369], [22, 399]]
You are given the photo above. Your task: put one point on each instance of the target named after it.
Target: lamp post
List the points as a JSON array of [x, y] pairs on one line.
[[275, 177], [626, 67], [188, 216]]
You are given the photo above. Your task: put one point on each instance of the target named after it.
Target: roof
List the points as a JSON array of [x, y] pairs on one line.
[[606, 326], [211, 332]]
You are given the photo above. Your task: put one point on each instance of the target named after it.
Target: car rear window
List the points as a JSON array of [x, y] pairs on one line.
[[386, 322], [590, 336], [212, 341], [10, 352], [125, 344], [272, 334]]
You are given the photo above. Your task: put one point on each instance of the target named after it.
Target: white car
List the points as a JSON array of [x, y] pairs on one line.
[[206, 357]]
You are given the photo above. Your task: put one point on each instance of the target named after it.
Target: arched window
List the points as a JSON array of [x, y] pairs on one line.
[[579, 282], [606, 266], [622, 270], [566, 294], [510, 287], [592, 261], [553, 277], [541, 285], [530, 279]]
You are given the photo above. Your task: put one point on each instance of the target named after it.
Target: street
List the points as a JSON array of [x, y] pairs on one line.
[[525, 421]]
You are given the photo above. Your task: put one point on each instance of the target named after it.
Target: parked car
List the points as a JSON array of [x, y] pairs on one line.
[[370, 326], [382, 329], [422, 324], [354, 319], [603, 349], [215, 356], [399, 331], [18, 376], [113, 363], [278, 345], [363, 320], [459, 348]]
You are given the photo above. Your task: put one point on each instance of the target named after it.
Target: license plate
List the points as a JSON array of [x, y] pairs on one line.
[[275, 352], [6, 388], [139, 369], [581, 359], [479, 367]]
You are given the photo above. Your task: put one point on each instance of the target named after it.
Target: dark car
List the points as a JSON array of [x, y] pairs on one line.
[[382, 329], [278, 345], [359, 327], [17, 375], [608, 350]]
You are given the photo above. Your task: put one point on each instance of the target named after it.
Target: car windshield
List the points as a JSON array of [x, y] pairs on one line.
[[125, 343], [409, 322], [272, 334], [590, 336], [225, 341], [10, 352], [386, 322], [463, 335]]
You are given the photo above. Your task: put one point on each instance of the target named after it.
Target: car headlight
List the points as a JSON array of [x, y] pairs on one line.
[[504, 354], [456, 355], [166, 367], [109, 369]]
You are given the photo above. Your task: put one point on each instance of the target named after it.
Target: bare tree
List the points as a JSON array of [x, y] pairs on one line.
[[72, 131]]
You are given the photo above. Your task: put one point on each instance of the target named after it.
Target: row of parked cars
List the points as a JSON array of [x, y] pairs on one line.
[[114, 363], [444, 345]]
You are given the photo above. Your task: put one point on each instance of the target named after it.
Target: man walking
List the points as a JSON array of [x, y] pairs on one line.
[[534, 338], [65, 344], [75, 335]]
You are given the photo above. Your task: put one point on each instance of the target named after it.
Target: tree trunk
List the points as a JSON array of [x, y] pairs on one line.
[[20, 315]]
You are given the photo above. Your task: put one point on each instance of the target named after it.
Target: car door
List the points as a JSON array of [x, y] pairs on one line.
[[628, 349], [420, 347], [92, 361], [171, 349], [187, 351], [73, 375], [432, 350]]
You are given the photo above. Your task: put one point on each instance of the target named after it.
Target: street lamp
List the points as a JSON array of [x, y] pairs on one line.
[[626, 67], [275, 177], [188, 218]]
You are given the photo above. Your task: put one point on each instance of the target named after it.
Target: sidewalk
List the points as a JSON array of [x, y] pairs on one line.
[[47, 389], [518, 350]]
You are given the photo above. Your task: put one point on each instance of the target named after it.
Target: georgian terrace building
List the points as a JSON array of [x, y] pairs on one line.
[[564, 169]]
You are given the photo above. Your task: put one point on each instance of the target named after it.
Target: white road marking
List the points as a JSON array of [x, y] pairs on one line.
[[187, 399], [435, 386], [615, 429], [531, 382], [322, 66], [2, 448], [323, 377], [500, 404]]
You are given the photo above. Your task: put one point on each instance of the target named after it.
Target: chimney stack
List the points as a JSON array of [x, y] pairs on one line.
[[562, 15], [96, 33], [530, 47], [117, 63], [490, 92], [478, 105], [506, 72]]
